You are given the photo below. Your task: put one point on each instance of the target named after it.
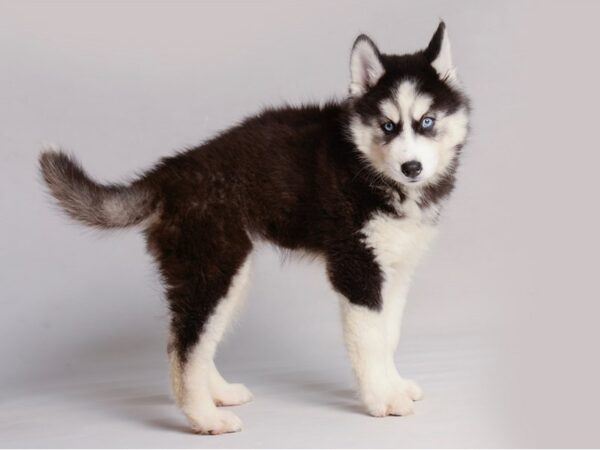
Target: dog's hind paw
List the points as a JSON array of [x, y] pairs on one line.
[[217, 422], [413, 389], [232, 394]]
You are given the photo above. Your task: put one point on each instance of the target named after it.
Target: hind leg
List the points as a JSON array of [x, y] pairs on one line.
[[206, 285], [198, 386], [222, 392]]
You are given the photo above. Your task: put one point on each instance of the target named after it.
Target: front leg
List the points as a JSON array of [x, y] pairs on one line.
[[368, 341], [371, 309], [394, 294]]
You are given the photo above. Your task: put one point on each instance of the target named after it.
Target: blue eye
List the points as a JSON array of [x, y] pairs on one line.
[[427, 122], [388, 127]]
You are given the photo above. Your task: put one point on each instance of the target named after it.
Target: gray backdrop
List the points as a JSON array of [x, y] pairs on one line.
[[501, 328]]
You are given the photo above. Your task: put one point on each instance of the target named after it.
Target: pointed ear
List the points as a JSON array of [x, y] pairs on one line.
[[365, 66], [439, 54]]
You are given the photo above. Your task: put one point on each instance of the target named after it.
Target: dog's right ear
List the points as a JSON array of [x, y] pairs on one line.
[[365, 66], [439, 54]]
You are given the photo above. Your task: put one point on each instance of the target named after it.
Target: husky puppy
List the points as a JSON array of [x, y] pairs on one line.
[[359, 182]]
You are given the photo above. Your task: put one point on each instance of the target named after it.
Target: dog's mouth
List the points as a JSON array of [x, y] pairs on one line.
[[402, 179]]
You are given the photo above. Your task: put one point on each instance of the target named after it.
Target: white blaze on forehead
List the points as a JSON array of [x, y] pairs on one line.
[[413, 104], [421, 106], [390, 110]]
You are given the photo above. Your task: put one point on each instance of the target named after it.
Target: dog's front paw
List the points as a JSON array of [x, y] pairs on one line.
[[397, 400], [232, 395], [392, 404], [217, 421]]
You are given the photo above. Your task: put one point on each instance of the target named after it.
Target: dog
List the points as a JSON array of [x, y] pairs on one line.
[[358, 182]]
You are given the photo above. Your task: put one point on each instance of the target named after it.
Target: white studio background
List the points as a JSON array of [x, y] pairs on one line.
[[500, 325]]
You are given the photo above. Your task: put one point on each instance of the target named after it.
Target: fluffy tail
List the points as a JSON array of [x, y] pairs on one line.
[[94, 204]]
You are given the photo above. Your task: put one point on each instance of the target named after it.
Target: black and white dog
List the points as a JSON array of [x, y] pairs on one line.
[[359, 183]]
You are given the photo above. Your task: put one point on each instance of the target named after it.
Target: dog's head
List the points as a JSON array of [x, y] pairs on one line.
[[408, 117]]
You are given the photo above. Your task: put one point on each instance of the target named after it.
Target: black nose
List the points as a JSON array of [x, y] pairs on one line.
[[411, 169]]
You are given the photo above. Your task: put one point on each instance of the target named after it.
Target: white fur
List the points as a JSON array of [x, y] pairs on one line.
[[382, 390], [199, 384], [224, 393], [453, 131], [365, 67], [390, 110], [364, 137], [411, 102]]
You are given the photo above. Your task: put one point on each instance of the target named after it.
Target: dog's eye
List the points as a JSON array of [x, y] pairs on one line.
[[427, 122], [388, 127]]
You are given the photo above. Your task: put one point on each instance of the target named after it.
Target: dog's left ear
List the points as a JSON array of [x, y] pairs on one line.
[[439, 54]]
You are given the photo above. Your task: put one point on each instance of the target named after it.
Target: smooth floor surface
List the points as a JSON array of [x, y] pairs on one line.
[[125, 402]]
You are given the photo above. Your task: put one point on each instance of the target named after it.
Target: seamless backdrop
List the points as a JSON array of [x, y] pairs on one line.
[[501, 327]]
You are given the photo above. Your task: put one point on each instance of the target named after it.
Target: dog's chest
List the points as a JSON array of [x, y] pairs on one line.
[[400, 240]]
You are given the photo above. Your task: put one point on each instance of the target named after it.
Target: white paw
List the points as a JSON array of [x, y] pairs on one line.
[[397, 400], [217, 422], [414, 390], [231, 395], [393, 404]]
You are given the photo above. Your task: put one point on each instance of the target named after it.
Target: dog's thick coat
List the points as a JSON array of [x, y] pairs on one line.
[[358, 182]]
